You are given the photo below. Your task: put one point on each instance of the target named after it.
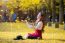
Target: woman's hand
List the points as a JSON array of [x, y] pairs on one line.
[[30, 25]]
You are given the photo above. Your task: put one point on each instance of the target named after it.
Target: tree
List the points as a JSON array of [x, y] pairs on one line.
[[53, 10], [49, 12], [61, 11]]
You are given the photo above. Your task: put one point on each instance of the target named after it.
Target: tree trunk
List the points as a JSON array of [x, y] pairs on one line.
[[50, 12], [57, 15], [61, 11], [53, 11]]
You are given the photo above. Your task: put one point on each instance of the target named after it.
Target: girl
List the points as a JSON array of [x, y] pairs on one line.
[[39, 25]]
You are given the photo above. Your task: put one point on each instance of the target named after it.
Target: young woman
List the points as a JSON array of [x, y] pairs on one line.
[[39, 26]]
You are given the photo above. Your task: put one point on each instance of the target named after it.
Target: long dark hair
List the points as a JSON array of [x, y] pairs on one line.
[[43, 20]]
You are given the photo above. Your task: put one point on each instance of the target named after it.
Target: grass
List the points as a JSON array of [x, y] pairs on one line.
[[8, 31]]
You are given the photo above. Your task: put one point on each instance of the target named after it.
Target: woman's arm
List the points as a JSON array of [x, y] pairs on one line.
[[30, 25]]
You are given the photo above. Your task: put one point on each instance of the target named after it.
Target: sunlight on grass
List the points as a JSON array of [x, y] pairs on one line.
[[11, 30]]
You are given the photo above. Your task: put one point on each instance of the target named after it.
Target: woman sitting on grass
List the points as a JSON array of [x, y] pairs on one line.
[[39, 25]]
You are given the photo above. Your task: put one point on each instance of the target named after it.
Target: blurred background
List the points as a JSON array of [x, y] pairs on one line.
[[13, 14]]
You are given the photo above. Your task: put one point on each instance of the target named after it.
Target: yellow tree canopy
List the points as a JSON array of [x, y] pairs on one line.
[[24, 4]]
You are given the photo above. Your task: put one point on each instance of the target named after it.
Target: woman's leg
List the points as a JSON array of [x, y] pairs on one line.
[[32, 36], [26, 36]]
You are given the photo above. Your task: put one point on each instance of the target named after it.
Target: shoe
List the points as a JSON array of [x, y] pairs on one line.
[[19, 37]]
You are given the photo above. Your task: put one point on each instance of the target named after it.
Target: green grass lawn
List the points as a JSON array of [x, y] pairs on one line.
[[8, 31]]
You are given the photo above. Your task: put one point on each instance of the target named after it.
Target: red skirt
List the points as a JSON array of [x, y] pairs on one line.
[[36, 34]]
